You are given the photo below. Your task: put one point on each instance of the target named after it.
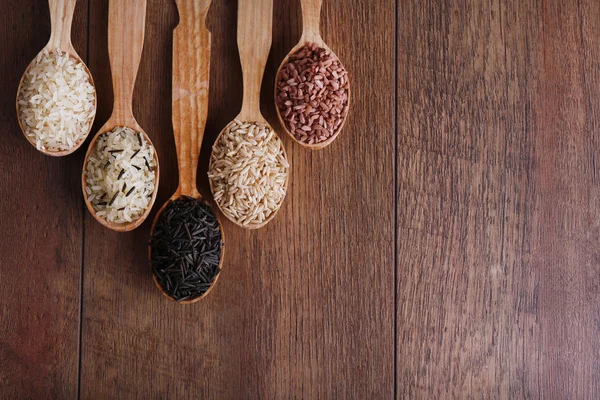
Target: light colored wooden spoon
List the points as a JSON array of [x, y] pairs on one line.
[[61, 17], [191, 73], [311, 17], [254, 31], [126, 24]]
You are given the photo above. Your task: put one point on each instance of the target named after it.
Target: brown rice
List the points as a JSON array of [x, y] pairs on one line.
[[312, 94], [248, 172]]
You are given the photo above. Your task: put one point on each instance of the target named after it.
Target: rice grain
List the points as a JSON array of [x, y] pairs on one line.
[[248, 172], [120, 175], [56, 101], [312, 94]]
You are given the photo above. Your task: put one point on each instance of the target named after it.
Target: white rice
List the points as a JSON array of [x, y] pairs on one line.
[[56, 101], [248, 172], [117, 190]]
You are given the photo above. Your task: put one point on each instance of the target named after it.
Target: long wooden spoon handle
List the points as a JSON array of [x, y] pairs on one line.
[[311, 17], [126, 24], [254, 30], [191, 72], [61, 18]]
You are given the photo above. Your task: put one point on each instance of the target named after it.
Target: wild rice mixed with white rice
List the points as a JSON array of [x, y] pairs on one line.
[[120, 175], [248, 171], [56, 101]]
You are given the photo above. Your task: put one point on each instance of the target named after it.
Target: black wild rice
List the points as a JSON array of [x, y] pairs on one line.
[[186, 248], [113, 199], [134, 154]]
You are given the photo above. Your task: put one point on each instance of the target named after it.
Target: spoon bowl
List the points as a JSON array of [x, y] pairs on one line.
[[125, 226], [61, 16], [261, 121], [311, 10], [126, 24], [197, 196]]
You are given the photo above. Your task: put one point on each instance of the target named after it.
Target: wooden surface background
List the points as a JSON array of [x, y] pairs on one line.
[[445, 246]]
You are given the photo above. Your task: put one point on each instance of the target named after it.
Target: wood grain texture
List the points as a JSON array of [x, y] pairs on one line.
[[61, 17], [191, 78], [566, 222], [498, 267], [311, 18], [40, 227], [254, 37], [126, 29], [304, 307], [497, 219]]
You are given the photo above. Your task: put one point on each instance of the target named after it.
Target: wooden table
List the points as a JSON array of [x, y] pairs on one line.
[[446, 246]]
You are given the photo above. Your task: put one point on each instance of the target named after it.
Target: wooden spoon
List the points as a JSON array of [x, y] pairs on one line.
[[126, 24], [61, 17], [254, 31], [311, 16], [191, 72]]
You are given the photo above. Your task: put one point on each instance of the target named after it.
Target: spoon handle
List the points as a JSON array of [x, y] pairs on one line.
[[126, 24], [61, 18], [191, 68], [311, 17], [254, 30]]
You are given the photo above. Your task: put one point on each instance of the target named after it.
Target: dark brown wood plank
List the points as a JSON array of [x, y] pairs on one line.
[[566, 224], [304, 307], [498, 272], [41, 226]]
